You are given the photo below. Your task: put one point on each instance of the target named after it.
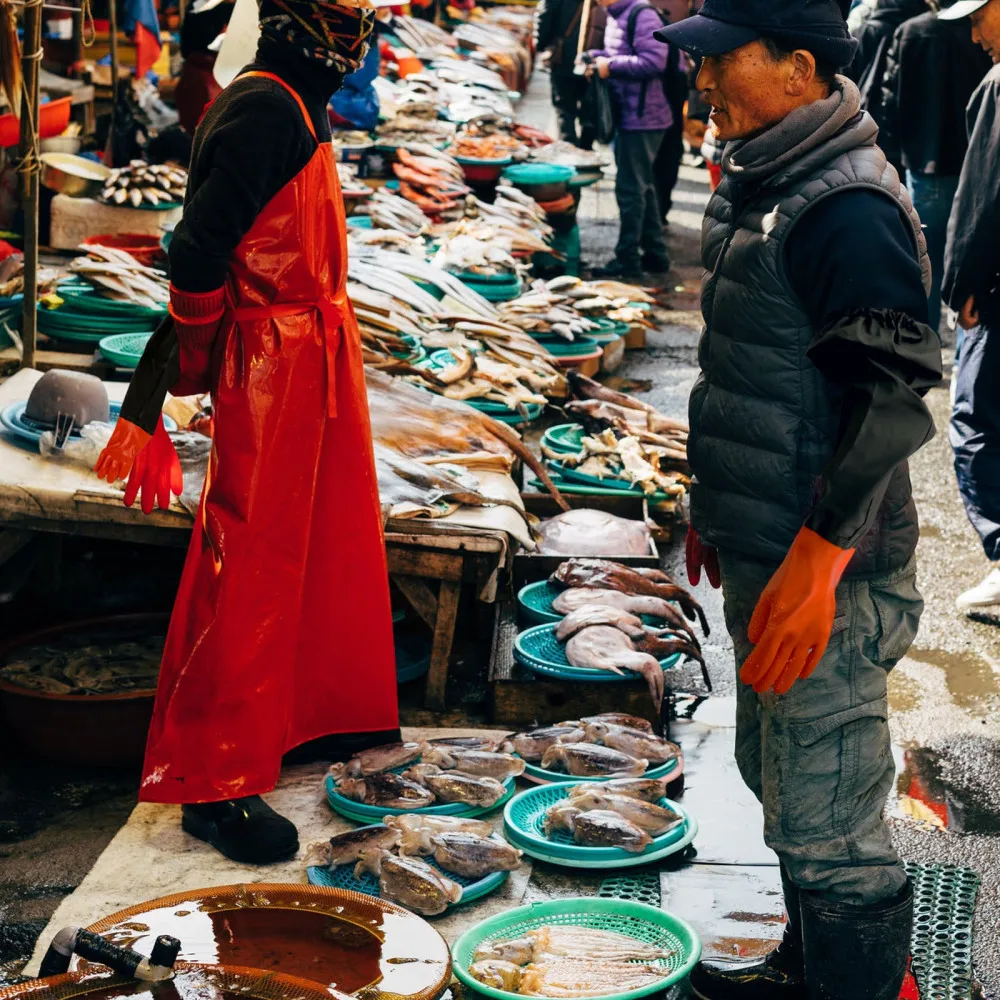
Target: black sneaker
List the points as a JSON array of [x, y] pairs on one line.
[[247, 830], [654, 263], [619, 270]]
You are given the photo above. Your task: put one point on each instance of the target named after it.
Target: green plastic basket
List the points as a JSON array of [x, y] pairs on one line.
[[538, 649], [578, 489], [560, 348], [673, 769], [343, 877], [524, 818], [565, 438], [539, 173], [124, 349], [608, 487], [361, 813], [514, 418], [636, 920], [416, 353], [536, 602]]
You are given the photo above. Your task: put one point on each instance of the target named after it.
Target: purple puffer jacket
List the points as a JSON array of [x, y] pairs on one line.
[[644, 62]]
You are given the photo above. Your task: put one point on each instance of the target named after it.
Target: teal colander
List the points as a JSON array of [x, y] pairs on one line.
[[635, 920]]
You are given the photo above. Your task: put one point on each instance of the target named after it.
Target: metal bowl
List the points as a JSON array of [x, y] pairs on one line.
[[72, 175], [61, 144]]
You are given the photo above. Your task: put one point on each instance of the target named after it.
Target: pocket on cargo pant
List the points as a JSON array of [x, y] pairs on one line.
[[898, 606], [837, 765]]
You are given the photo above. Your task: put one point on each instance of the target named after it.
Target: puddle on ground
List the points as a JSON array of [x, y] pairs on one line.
[[904, 692], [622, 383], [952, 788], [930, 531], [971, 680]]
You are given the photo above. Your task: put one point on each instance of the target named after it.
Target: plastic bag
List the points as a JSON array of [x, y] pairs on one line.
[[597, 113], [85, 449]]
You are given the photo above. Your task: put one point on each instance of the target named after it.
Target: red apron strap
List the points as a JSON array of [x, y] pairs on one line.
[[298, 100]]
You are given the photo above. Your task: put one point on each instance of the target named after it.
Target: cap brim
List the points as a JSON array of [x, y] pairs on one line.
[[706, 36], [961, 9]]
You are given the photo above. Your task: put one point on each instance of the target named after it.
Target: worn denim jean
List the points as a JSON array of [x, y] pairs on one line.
[[975, 433], [641, 221], [933, 197], [819, 758]]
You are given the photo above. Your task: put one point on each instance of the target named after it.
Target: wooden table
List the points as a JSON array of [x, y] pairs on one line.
[[39, 495]]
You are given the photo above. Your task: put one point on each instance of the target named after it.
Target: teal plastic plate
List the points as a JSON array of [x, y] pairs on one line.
[[539, 173], [536, 602], [567, 438], [578, 489], [533, 772], [559, 348], [343, 877], [538, 649], [361, 813], [636, 920], [514, 418], [524, 817], [124, 349], [359, 222], [13, 420]]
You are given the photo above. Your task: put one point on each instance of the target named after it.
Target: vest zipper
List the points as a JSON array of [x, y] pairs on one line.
[[736, 205]]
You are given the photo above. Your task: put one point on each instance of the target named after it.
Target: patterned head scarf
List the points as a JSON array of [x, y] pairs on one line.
[[335, 34]]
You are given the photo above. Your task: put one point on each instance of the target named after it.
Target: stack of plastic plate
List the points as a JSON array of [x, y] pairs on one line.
[[88, 317], [524, 818], [343, 877], [680, 944]]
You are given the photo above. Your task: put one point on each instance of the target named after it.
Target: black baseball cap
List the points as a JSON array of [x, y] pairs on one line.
[[723, 25]]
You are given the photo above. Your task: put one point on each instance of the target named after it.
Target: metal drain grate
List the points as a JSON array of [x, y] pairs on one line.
[[945, 904], [640, 888]]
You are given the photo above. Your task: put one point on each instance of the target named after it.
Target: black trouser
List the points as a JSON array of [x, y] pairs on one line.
[[635, 191], [567, 97], [667, 164]]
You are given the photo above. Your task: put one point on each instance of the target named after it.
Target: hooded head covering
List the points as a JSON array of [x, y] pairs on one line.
[[336, 35]]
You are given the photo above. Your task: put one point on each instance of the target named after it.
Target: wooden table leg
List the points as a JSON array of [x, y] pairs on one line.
[[444, 637]]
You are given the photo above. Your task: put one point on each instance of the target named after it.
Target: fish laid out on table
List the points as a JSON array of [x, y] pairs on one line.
[[613, 745], [565, 962], [447, 772], [393, 851]]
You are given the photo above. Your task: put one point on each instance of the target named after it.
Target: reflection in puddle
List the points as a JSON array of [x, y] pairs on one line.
[[971, 680], [904, 692], [621, 383], [953, 787]]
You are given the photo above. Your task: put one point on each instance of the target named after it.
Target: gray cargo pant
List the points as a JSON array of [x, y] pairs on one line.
[[819, 758], [641, 221]]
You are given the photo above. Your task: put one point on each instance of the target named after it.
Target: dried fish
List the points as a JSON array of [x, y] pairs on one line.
[[564, 979]]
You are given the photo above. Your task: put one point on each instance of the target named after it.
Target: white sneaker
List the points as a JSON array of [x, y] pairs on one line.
[[986, 595]]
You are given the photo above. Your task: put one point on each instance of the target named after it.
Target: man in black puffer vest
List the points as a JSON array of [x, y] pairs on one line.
[[814, 360]]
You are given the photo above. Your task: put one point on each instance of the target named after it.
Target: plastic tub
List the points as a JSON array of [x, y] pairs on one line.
[[52, 121]]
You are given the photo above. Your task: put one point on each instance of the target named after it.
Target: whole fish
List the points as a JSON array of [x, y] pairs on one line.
[[616, 719], [474, 857], [599, 828], [410, 882], [417, 831], [484, 743], [646, 789], [478, 762], [531, 746], [453, 786], [376, 759], [648, 816], [347, 848], [586, 760], [634, 742], [386, 789], [498, 974]]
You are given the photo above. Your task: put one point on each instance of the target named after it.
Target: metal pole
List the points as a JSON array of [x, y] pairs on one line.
[[30, 61], [113, 29]]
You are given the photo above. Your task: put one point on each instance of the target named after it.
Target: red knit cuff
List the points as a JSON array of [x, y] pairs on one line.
[[197, 307]]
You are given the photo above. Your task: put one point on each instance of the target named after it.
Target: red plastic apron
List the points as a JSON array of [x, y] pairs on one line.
[[282, 629]]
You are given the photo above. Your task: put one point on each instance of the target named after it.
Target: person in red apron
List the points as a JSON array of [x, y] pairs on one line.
[[281, 633]]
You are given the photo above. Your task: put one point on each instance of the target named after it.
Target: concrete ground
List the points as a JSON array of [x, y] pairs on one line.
[[56, 821]]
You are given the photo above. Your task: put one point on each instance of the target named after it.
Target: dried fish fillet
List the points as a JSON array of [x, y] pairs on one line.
[[569, 978]]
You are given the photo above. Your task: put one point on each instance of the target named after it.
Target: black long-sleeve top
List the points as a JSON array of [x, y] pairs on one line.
[[250, 144], [972, 257], [853, 263]]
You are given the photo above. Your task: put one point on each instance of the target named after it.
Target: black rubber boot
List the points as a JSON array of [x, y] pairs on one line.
[[618, 270], [340, 747], [245, 830], [856, 952], [655, 263], [777, 977]]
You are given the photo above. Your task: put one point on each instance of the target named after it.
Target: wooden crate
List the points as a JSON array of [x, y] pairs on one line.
[[613, 355], [635, 339], [530, 567], [521, 698]]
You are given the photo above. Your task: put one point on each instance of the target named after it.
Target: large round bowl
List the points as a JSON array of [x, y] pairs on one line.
[[637, 920], [340, 940], [209, 982]]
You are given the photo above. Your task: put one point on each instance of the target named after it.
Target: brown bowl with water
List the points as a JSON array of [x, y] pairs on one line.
[[340, 940]]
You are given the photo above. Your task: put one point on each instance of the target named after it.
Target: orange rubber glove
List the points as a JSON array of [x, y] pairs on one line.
[[150, 463], [700, 556], [793, 619]]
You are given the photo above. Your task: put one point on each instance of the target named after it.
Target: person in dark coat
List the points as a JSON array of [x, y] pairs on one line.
[[814, 360], [557, 30], [197, 86], [874, 36], [931, 72], [972, 288]]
